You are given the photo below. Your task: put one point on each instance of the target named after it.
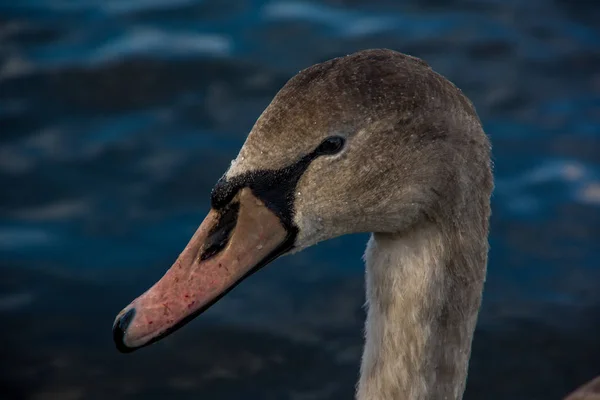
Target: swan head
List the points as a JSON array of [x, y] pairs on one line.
[[372, 142]]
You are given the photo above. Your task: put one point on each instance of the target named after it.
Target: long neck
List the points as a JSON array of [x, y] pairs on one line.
[[423, 296]]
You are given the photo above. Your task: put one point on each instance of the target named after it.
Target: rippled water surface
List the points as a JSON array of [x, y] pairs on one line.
[[117, 117]]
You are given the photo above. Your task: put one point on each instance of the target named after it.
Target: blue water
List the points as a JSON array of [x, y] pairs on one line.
[[117, 117]]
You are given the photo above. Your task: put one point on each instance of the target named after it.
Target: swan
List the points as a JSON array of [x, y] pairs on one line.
[[378, 142], [589, 391]]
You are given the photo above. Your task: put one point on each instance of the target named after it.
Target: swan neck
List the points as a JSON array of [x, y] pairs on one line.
[[422, 305]]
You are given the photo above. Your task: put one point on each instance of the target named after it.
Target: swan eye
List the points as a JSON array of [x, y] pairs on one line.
[[331, 145]]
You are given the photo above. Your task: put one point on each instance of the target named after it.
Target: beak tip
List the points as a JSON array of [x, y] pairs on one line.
[[120, 329]]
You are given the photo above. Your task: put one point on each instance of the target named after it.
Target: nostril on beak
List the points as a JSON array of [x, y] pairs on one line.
[[120, 328]]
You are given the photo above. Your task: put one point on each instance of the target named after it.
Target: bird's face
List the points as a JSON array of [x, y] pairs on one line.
[[333, 154]]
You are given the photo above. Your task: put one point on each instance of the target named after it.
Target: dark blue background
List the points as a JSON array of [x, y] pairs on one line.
[[117, 117]]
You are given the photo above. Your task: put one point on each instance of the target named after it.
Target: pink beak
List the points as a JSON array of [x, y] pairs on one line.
[[228, 246]]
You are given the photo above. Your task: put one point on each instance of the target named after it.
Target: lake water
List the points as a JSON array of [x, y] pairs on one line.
[[117, 117]]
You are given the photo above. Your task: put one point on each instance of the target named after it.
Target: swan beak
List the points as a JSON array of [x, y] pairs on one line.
[[227, 247]]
